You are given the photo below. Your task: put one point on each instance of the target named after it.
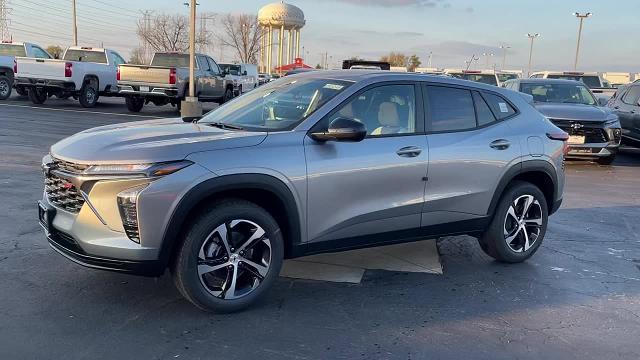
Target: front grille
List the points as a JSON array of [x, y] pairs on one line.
[[69, 167], [593, 133], [62, 194]]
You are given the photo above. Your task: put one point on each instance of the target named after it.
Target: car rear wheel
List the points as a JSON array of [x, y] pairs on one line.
[[37, 96], [88, 95], [134, 104], [5, 87], [230, 257], [518, 225]]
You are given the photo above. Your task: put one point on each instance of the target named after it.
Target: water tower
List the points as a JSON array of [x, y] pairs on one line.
[[279, 19]]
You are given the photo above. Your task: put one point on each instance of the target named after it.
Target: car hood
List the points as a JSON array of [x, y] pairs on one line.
[[580, 112], [149, 141]]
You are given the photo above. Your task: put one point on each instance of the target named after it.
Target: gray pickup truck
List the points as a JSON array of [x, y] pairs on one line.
[[166, 81], [8, 66]]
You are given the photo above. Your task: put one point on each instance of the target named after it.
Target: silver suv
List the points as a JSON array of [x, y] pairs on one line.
[[314, 162]]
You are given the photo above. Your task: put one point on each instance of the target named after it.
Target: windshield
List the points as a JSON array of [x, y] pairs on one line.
[[279, 105], [12, 50], [86, 56], [171, 60], [230, 69], [591, 81], [559, 93], [481, 78], [505, 77]]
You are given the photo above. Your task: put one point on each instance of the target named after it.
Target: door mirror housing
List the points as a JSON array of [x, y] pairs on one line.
[[244, 73], [342, 129]]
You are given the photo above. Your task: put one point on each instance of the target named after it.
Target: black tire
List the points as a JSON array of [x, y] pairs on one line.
[[186, 274], [37, 96], [608, 160], [21, 90], [88, 95], [228, 95], [134, 104], [6, 86], [494, 241]]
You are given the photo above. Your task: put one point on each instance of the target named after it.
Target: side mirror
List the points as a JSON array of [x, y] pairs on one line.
[[342, 129], [244, 73]]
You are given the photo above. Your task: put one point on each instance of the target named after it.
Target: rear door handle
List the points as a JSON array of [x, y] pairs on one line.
[[409, 151], [500, 144]]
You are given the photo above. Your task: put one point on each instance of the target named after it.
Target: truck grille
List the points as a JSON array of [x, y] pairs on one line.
[[593, 133], [69, 167], [63, 194]]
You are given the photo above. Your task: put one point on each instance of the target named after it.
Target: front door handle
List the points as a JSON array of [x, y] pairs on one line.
[[409, 151], [500, 144]]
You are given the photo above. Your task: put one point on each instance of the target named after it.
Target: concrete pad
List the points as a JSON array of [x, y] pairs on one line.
[[349, 266]]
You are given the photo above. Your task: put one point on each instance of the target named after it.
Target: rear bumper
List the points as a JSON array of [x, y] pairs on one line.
[[44, 83], [153, 91]]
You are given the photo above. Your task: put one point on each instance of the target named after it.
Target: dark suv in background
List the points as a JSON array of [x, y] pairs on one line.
[[626, 104], [594, 130]]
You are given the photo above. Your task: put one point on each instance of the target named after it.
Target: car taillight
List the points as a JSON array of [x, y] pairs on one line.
[[172, 76], [118, 74], [68, 69]]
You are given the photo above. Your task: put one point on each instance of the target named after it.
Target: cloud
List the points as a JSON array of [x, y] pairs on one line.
[[385, 33]]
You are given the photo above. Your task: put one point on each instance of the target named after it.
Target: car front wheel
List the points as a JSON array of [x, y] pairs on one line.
[[519, 224], [230, 257]]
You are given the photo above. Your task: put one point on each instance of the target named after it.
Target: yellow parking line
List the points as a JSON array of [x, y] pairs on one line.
[[81, 111]]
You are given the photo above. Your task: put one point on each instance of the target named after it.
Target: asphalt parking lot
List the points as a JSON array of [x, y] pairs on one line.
[[577, 298]]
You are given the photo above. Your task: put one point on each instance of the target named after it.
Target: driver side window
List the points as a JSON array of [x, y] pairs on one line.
[[384, 110]]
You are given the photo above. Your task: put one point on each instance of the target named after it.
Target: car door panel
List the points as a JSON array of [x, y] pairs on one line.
[[372, 186], [485, 151]]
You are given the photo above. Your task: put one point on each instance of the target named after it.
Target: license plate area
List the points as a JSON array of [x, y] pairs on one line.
[[576, 139], [144, 88]]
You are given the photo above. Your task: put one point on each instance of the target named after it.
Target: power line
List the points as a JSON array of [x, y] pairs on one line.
[[109, 11], [111, 5]]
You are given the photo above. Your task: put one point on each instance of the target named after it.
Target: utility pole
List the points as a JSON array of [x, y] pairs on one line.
[[74, 23], [191, 108], [531, 38], [504, 48], [430, 57], [470, 61], [581, 17], [486, 55]]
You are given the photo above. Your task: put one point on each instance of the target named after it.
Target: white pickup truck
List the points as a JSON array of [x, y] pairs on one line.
[[83, 72], [8, 52], [244, 77]]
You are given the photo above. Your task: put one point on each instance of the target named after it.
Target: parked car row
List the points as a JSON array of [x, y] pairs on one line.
[[87, 73]]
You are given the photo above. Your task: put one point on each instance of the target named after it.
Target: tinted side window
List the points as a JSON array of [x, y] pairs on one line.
[[39, 53], [450, 109], [384, 110], [117, 59], [500, 107], [483, 113], [214, 67], [632, 96], [202, 63]]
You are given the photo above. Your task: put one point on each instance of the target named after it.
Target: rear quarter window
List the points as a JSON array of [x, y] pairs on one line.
[[12, 50], [99, 57], [499, 106]]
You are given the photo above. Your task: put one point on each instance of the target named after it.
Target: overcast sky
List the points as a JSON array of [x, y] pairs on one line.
[[452, 30]]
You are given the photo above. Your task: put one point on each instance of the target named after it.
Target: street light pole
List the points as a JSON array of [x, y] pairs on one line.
[[581, 17], [74, 24], [531, 38], [486, 55], [504, 48]]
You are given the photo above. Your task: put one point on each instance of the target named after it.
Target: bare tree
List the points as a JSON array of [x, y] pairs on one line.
[[395, 59], [139, 56], [55, 51], [169, 33], [242, 33]]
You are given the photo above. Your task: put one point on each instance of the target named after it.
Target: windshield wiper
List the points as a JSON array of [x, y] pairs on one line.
[[225, 126]]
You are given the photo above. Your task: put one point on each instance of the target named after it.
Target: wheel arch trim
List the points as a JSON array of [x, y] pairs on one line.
[[212, 186]]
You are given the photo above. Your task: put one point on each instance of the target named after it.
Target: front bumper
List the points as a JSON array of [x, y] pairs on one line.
[[91, 232]]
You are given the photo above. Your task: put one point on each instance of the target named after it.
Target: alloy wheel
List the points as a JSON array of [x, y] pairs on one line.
[[234, 259], [523, 223], [90, 95]]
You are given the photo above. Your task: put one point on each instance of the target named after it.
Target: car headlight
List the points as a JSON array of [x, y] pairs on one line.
[[146, 170]]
